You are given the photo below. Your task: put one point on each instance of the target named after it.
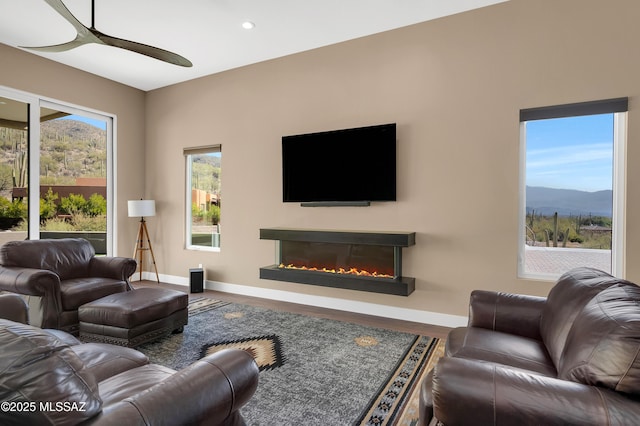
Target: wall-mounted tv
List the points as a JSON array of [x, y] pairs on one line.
[[340, 166]]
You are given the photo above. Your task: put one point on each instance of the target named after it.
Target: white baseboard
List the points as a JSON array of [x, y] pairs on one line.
[[415, 315]]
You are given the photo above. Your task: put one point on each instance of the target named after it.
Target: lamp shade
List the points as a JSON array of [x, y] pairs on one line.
[[142, 208]]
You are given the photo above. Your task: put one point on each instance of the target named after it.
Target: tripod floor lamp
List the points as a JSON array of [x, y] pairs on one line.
[[142, 209]]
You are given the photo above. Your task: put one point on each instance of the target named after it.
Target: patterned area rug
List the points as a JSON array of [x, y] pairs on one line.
[[397, 403], [314, 371], [265, 350], [199, 305]]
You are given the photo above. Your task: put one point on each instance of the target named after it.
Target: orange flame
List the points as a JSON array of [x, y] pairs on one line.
[[350, 271]]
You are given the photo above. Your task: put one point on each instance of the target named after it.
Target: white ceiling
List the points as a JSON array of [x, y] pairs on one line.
[[207, 32]]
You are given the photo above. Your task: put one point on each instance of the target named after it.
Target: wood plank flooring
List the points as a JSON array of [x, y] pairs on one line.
[[370, 320]]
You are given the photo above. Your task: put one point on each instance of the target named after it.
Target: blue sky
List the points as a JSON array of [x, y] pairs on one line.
[[571, 153], [101, 124]]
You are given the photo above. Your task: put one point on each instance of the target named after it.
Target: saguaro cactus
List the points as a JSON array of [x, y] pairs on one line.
[[554, 232], [20, 170]]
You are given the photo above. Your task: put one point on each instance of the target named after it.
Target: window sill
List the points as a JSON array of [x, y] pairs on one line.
[[204, 248]]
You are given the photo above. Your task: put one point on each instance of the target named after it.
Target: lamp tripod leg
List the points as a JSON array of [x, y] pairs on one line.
[[139, 249], [153, 257]]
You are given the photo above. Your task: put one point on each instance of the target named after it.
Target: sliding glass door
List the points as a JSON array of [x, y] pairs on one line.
[[55, 177]]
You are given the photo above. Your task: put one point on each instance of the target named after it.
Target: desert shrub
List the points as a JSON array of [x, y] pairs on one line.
[[13, 209], [72, 204], [213, 215], [48, 207], [96, 205], [82, 222], [602, 241], [56, 224]]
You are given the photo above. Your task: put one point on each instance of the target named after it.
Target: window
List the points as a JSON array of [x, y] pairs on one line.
[[203, 197], [55, 176], [571, 188], [73, 175]]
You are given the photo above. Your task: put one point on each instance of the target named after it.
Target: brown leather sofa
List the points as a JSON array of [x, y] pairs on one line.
[[56, 277], [47, 377], [572, 358]]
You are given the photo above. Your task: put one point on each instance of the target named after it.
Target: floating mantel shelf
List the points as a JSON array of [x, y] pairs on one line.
[[381, 251], [396, 239]]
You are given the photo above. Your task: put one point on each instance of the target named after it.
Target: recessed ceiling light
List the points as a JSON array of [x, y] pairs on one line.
[[248, 25]]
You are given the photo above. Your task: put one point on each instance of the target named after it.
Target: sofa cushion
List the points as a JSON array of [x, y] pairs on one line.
[[501, 348], [603, 346], [64, 337], [104, 361], [130, 383], [566, 299], [78, 291], [67, 257], [36, 367]]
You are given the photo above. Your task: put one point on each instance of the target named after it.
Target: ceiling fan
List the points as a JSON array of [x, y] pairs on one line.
[[87, 35]]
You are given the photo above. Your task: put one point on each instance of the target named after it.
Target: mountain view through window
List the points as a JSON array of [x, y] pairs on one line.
[[569, 194]]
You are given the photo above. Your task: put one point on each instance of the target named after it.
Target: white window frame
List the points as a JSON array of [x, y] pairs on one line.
[[618, 244], [188, 152]]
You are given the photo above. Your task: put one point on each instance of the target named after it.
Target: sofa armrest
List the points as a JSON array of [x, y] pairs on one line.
[[118, 268], [14, 308], [33, 282], [41, 283], [474, 392], [210, 391], [509, 313]]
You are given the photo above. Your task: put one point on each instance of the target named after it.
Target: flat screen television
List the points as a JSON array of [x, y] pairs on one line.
[[340, 166]]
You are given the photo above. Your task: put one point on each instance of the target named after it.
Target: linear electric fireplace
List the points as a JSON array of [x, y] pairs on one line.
[[366, 261]]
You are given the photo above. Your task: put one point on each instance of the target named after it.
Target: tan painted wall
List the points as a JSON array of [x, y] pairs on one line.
[[454, 86], [29, 73]]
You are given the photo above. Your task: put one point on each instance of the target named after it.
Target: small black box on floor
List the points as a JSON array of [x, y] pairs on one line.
[[196, 280]]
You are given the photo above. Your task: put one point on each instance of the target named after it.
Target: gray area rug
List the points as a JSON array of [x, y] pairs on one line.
[[316, 372]]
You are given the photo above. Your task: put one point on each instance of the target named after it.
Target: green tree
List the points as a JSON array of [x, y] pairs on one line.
[[213, 215], [48, 208]]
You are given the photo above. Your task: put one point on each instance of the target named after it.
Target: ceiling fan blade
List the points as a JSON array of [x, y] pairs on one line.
[[59, 7], [143, 49], [84, 35], [77, 42], [91, 35]]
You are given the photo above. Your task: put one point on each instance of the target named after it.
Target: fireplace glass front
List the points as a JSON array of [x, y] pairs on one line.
[[358, 259]]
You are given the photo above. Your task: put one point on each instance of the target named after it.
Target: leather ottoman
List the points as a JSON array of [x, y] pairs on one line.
[[134, 317]]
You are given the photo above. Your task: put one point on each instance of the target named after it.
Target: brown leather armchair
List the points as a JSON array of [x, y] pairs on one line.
[[572, 358], [49, 377], [56, 277]]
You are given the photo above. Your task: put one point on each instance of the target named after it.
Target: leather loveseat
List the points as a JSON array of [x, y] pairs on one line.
[[47, 377], [572, 358], [56, 277]]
